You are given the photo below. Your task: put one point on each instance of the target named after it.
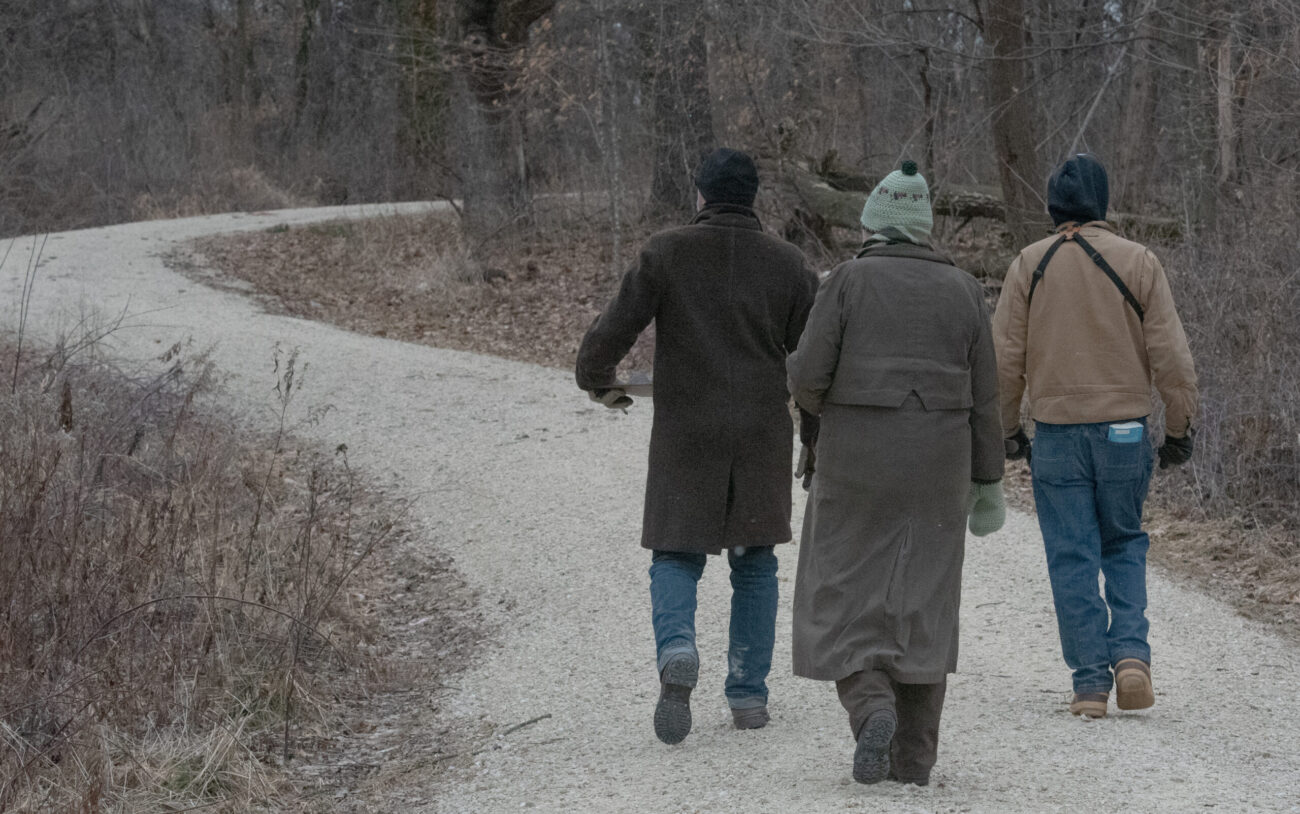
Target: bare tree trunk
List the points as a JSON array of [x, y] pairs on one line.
[[610, 138], [246, 80], [492, 158], [423, 99], [927, 99], [1226, 128], [1133, 152], [683, 109], [1014, 124]]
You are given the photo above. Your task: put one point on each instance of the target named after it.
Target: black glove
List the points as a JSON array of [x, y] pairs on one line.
[[1175, 451], [1018, 446], [807, 465]]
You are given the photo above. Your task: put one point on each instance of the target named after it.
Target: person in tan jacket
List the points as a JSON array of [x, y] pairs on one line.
[[1086, 324]]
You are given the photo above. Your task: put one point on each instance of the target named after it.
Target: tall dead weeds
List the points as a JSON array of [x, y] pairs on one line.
[[171, 614]]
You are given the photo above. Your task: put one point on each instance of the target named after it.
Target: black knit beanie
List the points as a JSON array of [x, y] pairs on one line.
[[727, 176], [1078, 191]]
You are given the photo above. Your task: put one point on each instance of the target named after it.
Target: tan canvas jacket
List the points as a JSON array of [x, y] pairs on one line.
[[1080, 349]]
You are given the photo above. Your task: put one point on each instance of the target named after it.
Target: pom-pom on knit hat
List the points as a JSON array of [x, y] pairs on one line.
[[900, 202]]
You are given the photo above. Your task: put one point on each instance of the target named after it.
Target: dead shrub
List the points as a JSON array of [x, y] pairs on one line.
[[232, 189], [1238, 293], [171, 615]]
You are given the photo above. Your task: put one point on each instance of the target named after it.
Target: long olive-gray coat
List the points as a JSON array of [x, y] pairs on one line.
[[897, 358], [729, 303]]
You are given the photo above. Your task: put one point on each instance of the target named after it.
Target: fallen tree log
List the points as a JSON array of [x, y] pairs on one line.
[[838, 203]]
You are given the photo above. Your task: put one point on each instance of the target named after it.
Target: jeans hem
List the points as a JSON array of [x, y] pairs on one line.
[[1144, 658], [675, 650], [748, 702]]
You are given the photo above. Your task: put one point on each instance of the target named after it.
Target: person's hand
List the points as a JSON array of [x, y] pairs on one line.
[[807, 465], [1018, 446], [1175, 451], [613, 398], [987, 507]]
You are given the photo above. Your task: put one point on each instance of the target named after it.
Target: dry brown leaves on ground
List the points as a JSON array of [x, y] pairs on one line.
[[412, 278]]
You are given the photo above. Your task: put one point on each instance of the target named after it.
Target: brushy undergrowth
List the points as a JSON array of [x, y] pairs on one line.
[[171, 615], [1238, 294]]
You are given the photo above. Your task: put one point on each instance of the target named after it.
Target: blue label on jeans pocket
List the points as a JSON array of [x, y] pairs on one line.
[[1130, 432]]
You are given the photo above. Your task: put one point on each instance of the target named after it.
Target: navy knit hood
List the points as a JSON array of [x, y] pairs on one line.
[[1078, 191]]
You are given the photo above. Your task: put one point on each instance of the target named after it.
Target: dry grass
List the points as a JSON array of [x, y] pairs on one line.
[[173, 620], [1231, 517]]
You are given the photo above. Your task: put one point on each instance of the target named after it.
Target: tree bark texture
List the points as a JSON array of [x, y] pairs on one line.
[[1131, 181], [492, 161], [683, 110], [1014, 124]]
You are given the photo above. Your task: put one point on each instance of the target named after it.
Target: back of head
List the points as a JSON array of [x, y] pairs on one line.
[[900, 206], [1078, 191], [727, 176]]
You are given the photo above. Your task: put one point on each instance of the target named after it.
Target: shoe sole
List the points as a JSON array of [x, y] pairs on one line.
[[673, 712], [871, 758], [1133, 689]]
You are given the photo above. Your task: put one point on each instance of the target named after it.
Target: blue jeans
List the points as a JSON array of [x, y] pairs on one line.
[[674, 577], [1089, 493]]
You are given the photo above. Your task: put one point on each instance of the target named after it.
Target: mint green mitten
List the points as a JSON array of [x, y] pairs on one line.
[[987, 508]]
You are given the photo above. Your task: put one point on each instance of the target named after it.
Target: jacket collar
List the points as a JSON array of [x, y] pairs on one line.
[[902, 248], [1076, 225], [732, 215]]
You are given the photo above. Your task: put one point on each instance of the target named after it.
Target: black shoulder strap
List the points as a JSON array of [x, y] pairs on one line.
[[1097, 259], [1114, 278], [1042, 266]]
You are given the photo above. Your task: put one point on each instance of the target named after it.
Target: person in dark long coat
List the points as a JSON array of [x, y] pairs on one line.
[[728, 302], [897, 359]]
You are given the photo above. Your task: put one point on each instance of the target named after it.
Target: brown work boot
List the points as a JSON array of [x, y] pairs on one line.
[[1089, 704], [1133, 684]]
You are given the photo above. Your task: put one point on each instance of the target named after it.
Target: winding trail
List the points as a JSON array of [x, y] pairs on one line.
[[536, 493]]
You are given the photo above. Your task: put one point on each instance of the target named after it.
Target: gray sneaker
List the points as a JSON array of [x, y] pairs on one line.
[[750, 717], [673, 712], [871, 758]]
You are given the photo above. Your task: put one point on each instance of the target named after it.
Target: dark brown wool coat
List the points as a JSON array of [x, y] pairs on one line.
[[728, 302], [898, 360]]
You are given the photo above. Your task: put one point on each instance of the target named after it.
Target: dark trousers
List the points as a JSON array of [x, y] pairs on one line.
[[918, 707]]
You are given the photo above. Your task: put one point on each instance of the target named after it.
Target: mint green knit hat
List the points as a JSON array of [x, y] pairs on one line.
[[902, 202]]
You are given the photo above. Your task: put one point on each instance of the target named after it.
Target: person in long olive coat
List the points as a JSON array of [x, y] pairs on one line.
[[897, 359], [728, 302]]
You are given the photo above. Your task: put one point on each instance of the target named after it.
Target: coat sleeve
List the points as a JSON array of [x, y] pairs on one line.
[[1010, 339], [988, 458], [1169, 355], [614, 332], [804, 295], [811, 368]]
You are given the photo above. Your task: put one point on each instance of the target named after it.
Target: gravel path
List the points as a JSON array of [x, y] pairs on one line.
[[537, 496]]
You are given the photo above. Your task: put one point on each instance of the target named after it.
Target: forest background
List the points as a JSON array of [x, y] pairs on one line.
[[564, 131], [137, 109]]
